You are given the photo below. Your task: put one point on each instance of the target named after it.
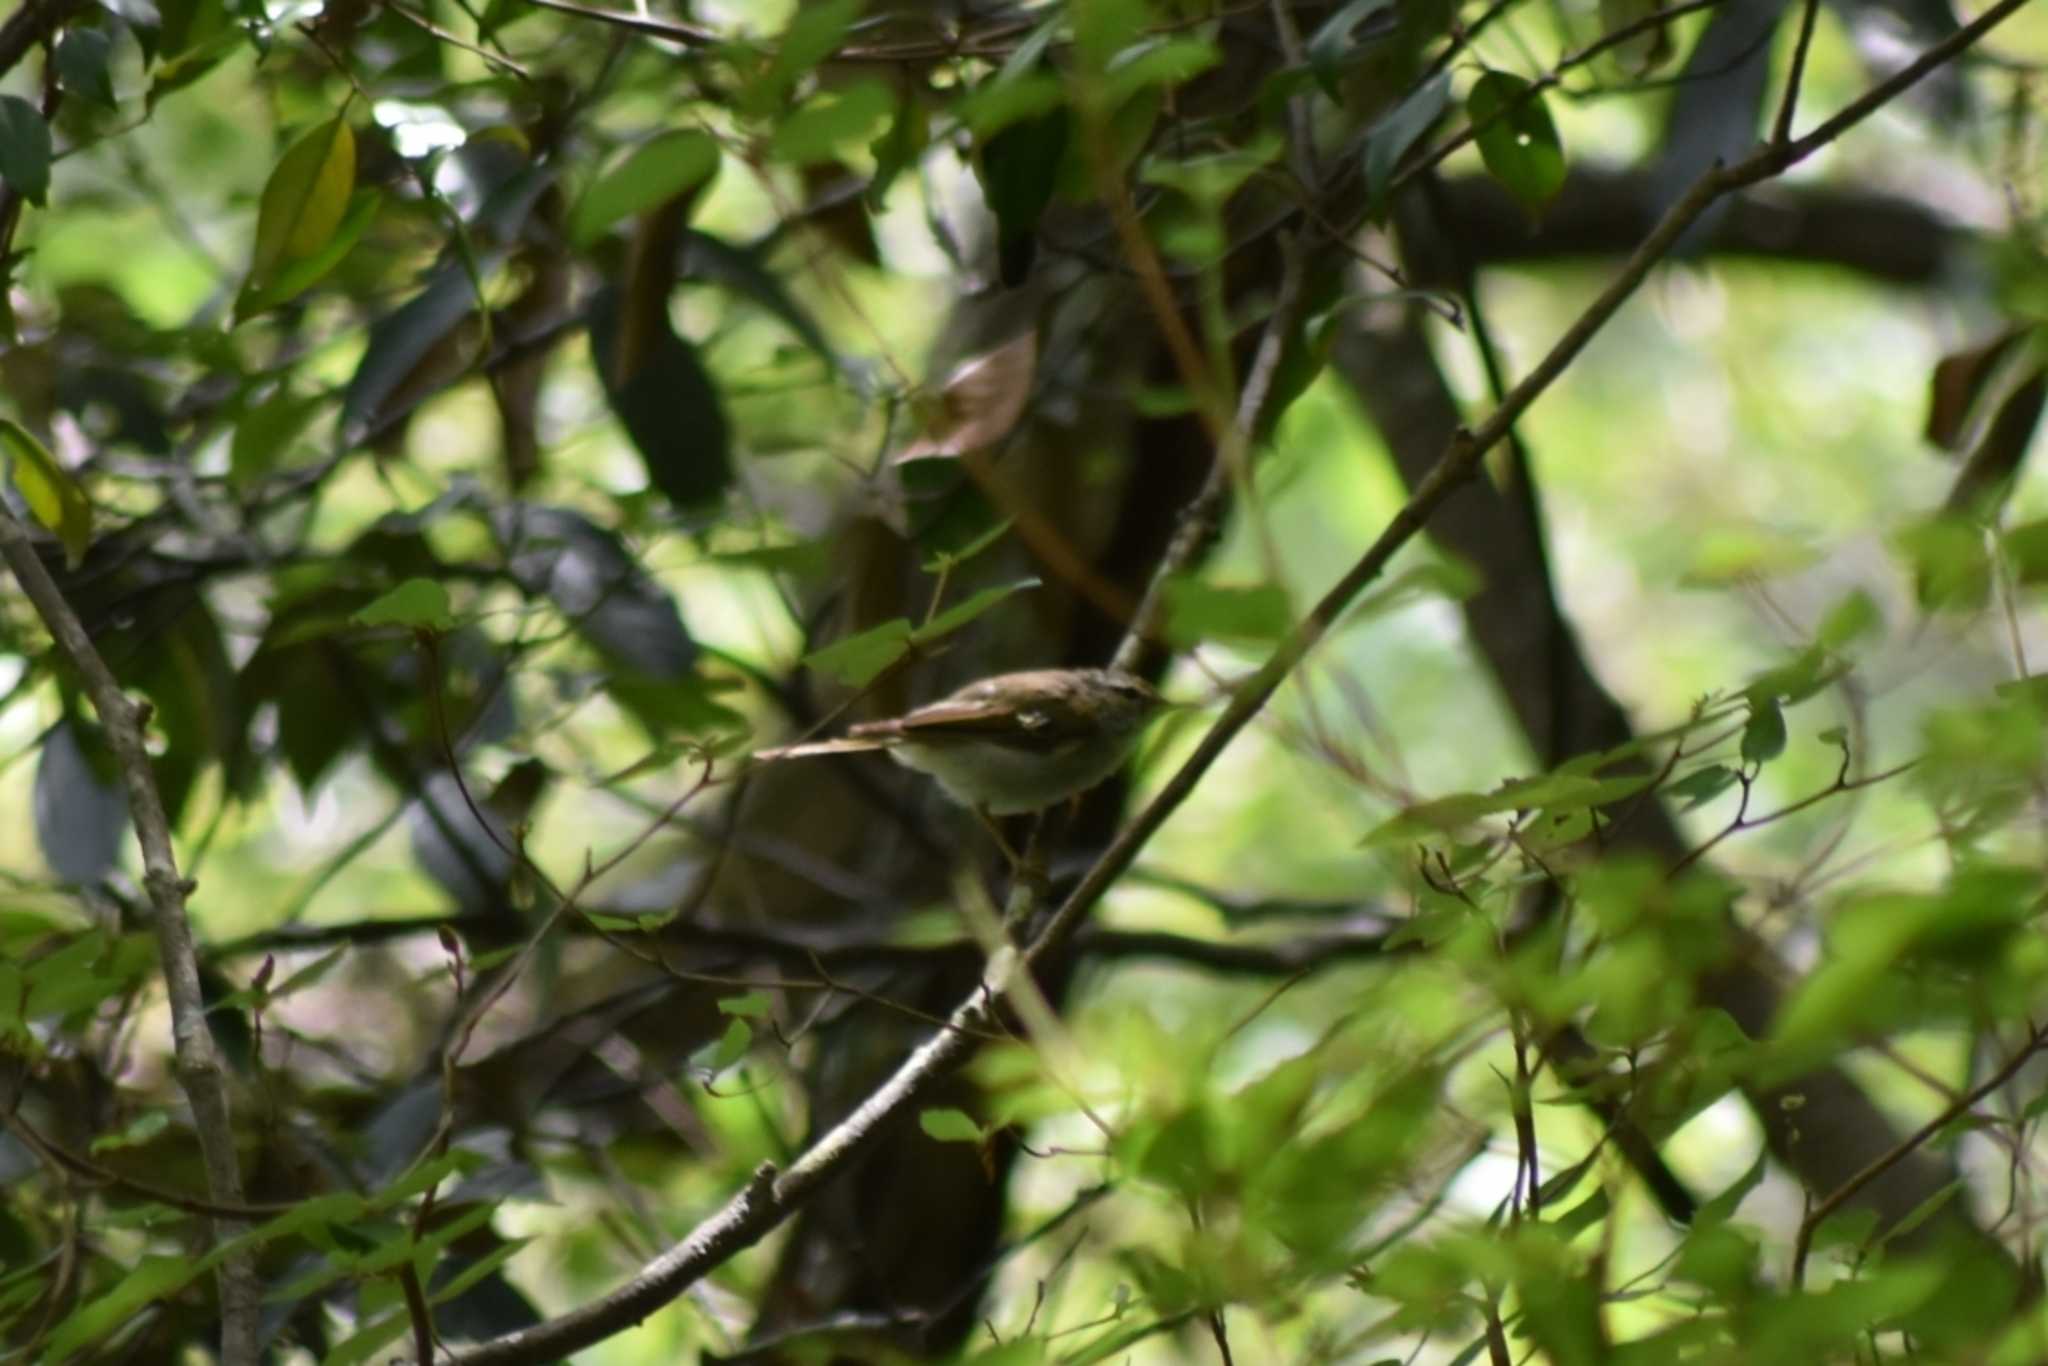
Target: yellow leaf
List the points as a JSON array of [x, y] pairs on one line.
[[305, 200], [51, 495]]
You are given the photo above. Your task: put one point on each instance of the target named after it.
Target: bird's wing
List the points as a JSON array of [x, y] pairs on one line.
[[811, 747]]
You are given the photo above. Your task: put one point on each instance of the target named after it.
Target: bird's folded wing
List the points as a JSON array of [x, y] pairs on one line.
[[804, 751]]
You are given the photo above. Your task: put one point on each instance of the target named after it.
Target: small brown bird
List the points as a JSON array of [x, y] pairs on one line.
[[1011, 743]]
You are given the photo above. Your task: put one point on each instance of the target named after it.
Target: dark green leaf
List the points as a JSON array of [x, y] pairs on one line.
[[1397, 130], [669, 407], [82, 55], [1516, 137], [1702, 785], [1019, 172], [610, 600], [25, 149], [1344, 35], [399, 343], [1763, 738]]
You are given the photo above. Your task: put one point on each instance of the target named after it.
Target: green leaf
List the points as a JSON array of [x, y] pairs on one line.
[[1020, 169], [1763, 738], [832, 121], [265, 432], [856, 660], [1343, 37], [959, 615], [152, 1279], [1702, 785], [1645, 51], [751, 1005], [24, 149], [732, 1045], [651, 174], [418, 603], [1396, 131], [949, 1126], [82, 56], [295, 277], [303, 205], [814, 31], [1516, 138], [1197, 611], [53, 498], [952, 559], [668, 406]]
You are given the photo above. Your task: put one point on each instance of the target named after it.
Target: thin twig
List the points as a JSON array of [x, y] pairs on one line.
[[1781, 133], [1905, 1148]]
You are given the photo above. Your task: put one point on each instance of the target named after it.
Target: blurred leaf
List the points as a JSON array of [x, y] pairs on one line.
[[302, 208], [1343, 37], [1951, 570], [856, 660], [1994, 462], [711, 258], [832, 121], [732, 1046], [400, 346], [750, 1005], [959, 615], [982, 401], [82, 56], [1763, 737], [1397, 130], [81, 806], [1643, 53], [52, 497], [1198, 611], [669, 407], [418, 603], [1702, 785], [25, 149], [295, 277], [898, 148], [814, 32], [181, 664], [1516, 137], [1959, 382], [266, 431], [1019, 169], [952, 559], [152, 1278], [947, 1125], [651, 174], [607, 597]]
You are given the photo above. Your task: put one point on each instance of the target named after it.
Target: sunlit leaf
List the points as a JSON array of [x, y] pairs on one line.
[[304, 203], [653, 173], [419, 603], [53, 498], [856, 660]]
